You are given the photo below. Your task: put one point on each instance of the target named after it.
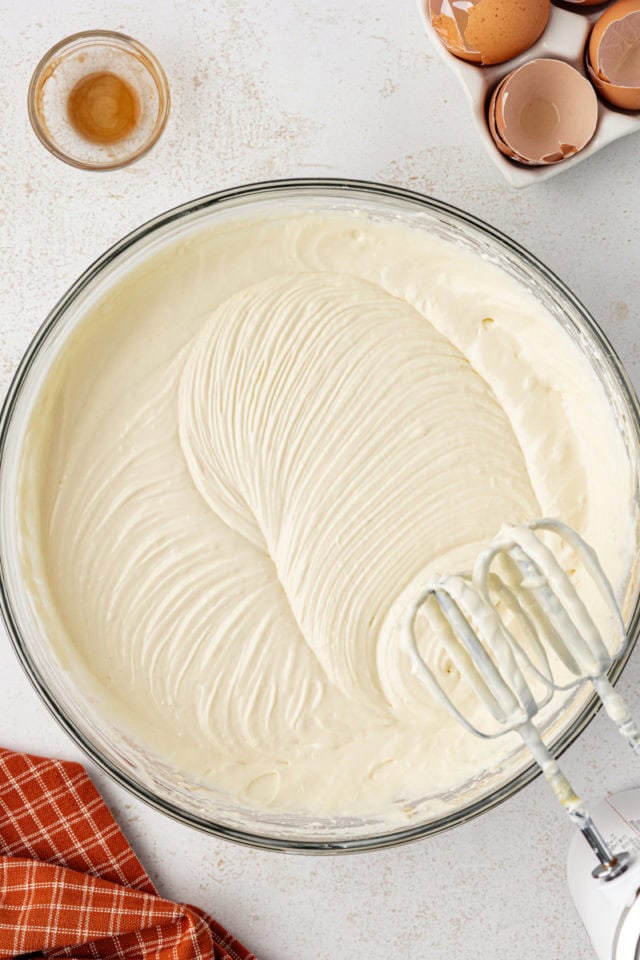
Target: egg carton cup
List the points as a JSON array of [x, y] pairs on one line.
[[565, 38]]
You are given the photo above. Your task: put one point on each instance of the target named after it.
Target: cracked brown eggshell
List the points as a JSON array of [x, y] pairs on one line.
[[488, 31], [491, 119], [613, 55], [545, 112]]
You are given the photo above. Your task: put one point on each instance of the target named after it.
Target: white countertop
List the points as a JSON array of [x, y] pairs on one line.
[[276, 88]]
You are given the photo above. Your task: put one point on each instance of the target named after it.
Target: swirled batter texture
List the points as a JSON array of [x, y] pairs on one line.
[[247, 453]]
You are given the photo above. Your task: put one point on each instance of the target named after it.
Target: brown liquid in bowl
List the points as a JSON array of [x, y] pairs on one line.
[[103, 108]]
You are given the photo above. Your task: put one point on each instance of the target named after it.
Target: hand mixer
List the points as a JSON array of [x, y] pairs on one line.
[[517, 630]]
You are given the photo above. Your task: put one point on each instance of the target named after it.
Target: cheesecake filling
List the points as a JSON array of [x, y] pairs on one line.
[[251, 447]]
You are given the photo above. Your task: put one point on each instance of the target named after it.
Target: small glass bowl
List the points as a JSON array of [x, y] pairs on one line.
[[79, 56]]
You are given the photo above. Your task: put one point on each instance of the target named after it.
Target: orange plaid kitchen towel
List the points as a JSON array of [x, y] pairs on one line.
[[70, 884]]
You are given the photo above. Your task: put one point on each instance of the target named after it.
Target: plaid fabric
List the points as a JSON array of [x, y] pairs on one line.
[[70, 884]]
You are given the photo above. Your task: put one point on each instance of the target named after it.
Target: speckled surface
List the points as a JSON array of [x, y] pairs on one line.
[[274, 88]]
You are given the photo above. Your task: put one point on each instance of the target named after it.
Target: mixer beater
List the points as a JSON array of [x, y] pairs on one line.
[[518, 630]]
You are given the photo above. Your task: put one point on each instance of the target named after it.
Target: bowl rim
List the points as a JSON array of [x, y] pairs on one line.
[[272, 188]]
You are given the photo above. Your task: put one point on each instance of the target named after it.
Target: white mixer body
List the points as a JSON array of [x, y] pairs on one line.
[[610, 911]]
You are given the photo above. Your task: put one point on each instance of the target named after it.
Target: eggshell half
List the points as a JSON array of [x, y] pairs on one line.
[[621, 33], [449, 22], [488, 31], [626, 98], [613, 54], [545, 111]]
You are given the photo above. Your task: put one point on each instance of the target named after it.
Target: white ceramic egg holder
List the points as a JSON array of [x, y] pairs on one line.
[[565, 38]]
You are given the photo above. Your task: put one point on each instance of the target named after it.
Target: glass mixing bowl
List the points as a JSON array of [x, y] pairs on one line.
[[127, 761]]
